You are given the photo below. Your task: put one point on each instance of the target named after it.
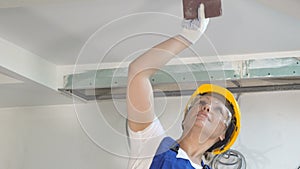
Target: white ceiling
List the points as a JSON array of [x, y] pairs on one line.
[[57, 30]]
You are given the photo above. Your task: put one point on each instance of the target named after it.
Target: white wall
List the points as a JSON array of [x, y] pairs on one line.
[[50, 137], [270, 134]]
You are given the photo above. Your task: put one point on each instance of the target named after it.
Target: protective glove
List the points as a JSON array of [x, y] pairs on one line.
[[194, 28]]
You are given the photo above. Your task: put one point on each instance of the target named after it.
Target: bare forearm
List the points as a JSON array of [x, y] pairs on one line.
[[154, 59]]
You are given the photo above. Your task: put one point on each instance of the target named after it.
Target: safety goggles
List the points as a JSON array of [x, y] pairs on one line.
[[217, 108]]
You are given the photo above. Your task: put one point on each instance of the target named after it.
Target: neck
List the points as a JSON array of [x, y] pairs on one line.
[[191, 145]]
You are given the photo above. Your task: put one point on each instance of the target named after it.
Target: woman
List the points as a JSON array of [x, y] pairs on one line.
[[211, 121]]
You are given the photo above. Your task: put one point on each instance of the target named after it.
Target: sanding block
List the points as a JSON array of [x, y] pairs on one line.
[[213, 8]]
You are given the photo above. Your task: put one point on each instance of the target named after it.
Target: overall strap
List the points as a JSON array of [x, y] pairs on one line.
[[166, 152]]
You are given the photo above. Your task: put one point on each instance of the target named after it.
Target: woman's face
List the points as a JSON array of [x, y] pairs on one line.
[[208, 117]]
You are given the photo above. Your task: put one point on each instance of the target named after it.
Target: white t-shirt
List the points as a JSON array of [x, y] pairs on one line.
[[143, 146]]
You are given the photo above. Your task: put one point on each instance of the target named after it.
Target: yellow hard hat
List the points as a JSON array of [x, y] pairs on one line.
[[236, 115]]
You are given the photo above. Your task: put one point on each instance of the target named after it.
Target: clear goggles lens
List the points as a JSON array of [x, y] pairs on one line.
[[217, 108]]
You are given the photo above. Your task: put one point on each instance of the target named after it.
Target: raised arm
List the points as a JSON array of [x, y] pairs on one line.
[[140, 106]]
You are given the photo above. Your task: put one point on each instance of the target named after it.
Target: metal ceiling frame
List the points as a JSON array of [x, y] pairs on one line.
[[178, 80]]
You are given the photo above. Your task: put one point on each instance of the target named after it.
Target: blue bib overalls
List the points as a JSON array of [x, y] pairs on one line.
[[165, 157]]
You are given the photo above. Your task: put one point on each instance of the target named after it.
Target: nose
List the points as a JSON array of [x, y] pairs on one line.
[[206, 108]]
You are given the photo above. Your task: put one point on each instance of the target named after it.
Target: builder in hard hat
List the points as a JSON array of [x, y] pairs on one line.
[[211, 118]]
